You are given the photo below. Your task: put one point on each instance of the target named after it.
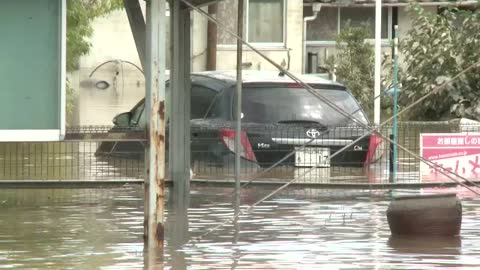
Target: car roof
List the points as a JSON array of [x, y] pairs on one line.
[[262, 76]]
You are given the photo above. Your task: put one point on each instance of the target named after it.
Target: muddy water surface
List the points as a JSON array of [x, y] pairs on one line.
[[298, 229]]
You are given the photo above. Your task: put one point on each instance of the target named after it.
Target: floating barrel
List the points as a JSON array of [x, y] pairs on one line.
[[434, 215]]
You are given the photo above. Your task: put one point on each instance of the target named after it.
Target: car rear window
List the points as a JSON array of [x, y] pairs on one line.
[[276, 104]]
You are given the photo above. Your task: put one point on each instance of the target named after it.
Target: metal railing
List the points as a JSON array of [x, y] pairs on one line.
[[76, 158], [102, 153]]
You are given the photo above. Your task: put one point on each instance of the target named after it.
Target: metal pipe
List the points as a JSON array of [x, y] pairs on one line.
[[238, 108], [395, 100], [155, 126], [378, 60], [179, 128], [305, 20], [179, 118]]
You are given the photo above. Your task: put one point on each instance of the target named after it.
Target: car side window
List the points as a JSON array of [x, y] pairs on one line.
[[141, 121], [201, 100], [137, 115]]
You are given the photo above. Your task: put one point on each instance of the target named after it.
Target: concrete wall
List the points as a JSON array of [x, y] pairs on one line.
[[112, 39], [226, 56], [199, 41]]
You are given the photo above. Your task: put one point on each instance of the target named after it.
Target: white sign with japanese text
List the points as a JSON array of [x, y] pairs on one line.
[[456, 152]]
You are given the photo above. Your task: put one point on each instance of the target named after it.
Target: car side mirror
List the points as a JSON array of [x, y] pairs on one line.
[[122, 120]]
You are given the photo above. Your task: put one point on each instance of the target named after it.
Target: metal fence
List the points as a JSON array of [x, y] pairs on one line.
[[99, 153], [366, 162], [75, 158]]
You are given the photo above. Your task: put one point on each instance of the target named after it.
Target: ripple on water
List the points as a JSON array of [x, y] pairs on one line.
[[94, 229]]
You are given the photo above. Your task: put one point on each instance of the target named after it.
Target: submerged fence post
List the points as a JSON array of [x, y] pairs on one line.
[[155, 124]]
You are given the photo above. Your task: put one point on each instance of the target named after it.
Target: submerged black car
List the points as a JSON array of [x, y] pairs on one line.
[[278, 116]]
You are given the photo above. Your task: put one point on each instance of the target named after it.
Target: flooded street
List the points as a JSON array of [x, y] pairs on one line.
[[297, 229], [123, 115]]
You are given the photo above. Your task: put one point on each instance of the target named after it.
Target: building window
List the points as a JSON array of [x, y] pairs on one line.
[[331, 20], [263, 28], [260, 27]]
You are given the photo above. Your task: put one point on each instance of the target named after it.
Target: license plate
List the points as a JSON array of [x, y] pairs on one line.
[[312, 156]]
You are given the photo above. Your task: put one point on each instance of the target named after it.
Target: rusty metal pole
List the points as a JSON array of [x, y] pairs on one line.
[[155, 126], [238, 109], [212, 39]]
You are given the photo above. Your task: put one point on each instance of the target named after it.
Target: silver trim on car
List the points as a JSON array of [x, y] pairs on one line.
[[296, 141]]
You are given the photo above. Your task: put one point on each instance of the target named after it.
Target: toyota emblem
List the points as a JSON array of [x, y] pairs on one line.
[[313, 133]]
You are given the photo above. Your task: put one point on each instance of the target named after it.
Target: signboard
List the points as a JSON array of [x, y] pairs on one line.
[[456, 152], [32, 70]]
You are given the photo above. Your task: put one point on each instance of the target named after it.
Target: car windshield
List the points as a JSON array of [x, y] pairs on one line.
[[284, 104]]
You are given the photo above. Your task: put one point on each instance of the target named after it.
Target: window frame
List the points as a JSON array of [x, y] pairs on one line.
[[261, 44], [386, 42]]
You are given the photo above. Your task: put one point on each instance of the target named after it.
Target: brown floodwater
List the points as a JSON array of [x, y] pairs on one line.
[[296, 229]]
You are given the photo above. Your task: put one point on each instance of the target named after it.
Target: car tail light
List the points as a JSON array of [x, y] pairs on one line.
[[294, 85], [375, 149], [228, 139]]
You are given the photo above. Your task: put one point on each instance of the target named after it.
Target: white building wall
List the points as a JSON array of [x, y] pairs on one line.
[[112, 39], [199, 41]]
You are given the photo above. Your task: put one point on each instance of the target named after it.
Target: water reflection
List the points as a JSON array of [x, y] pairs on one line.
[[426, 245], [432, 250], [64, 229], [298, 229]]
